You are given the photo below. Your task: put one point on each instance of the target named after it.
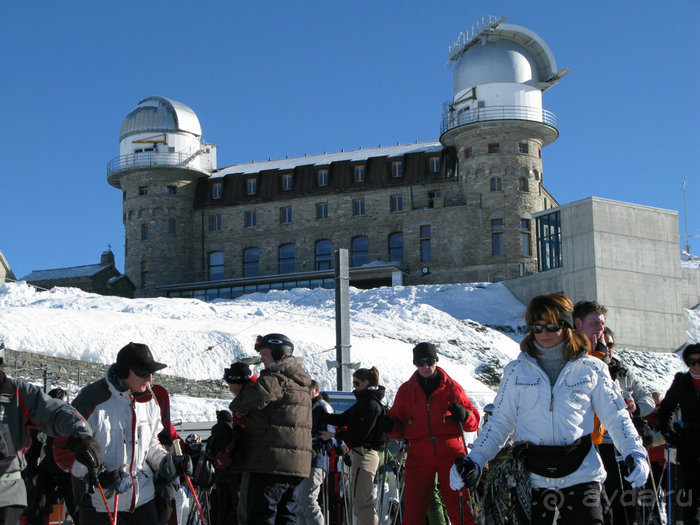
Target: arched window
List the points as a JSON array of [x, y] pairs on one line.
[[359, 251], [323, 255], [216, 266], [396, 247], [251, 261], [286, 258], [524, 186]]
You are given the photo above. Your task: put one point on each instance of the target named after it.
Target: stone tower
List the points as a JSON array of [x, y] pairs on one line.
[[161, 157], [498, 126]]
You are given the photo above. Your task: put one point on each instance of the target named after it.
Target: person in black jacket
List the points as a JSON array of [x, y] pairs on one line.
[[685, 392], [362, 429]]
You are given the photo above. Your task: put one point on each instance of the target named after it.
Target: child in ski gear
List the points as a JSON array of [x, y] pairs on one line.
[[361, 428], [685, 436], [431, 411], [126, 418], [277, 434], [548, 395], [24, 406]]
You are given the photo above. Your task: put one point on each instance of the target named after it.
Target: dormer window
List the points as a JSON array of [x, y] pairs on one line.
[[217, 190], [252, 186], [397, 169], [434, 165], [360, 173], [322, 177], [286, 181]]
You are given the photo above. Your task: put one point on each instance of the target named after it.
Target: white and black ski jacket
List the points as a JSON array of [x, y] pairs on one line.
[[544, 415]]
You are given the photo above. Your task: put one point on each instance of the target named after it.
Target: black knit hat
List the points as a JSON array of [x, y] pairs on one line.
[[690, 350], [224, 416], [137, 356], [238, 374], [422, 350]]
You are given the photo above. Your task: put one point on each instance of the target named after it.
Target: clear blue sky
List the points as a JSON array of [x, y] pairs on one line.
[[271, 79]]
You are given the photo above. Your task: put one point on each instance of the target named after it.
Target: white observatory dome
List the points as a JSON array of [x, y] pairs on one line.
[[500, 61], [506, 54], [160, 115]]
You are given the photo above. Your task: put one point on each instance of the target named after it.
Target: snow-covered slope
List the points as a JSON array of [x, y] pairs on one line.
[[477, 328]]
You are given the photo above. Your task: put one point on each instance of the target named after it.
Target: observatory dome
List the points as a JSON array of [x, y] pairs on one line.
[[506, 54], [160, 115]]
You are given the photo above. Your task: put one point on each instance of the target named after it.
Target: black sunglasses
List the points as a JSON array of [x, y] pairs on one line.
[[550, 327], [693, 362], [425, 361], [141, 372], [356, 383]]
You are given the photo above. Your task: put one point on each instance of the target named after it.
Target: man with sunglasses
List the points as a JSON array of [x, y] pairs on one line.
[[126, 421], [431, 411]]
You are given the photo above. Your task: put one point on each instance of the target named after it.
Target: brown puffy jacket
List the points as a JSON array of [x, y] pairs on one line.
[[278, 421]]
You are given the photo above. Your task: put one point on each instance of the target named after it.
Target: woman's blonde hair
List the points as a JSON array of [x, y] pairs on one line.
[[370, 374], [555, 308]]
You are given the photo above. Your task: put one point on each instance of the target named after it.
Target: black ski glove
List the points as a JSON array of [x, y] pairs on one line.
[[173, 466], [85, 449], [468, 471], [672, 438], [458, 412], [117, 480]]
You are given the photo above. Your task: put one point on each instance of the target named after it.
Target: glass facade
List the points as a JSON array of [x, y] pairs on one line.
[[549, 241]]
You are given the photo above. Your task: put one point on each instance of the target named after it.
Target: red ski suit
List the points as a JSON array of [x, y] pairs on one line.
[[434, 442]]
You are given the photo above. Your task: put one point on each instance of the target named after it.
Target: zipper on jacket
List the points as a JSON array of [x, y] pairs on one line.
[[430, 430], [133, 451]]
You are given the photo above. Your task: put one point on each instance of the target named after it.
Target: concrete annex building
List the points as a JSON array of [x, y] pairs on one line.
[[471, 207]]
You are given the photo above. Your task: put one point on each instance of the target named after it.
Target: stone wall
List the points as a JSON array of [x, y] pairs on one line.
[[73, 374]]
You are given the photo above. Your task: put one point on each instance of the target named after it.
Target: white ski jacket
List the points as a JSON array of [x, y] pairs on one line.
[[543, 415], [127, 431]]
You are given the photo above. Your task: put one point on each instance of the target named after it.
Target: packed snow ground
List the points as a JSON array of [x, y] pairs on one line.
[[477, 328]]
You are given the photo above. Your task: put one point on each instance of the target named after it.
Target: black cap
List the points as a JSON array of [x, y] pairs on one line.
[[422, 350], [239, 373], [137, 356]]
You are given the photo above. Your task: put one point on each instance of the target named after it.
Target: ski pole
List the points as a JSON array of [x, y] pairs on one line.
[[116, 507], [178, 452], [474, 502], [669, 502], [104, 498]]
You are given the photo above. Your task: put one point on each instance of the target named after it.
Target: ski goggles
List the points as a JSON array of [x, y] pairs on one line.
[[550, 327]]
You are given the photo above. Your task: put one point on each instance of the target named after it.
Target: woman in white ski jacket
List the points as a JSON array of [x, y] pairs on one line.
[[548, 396]]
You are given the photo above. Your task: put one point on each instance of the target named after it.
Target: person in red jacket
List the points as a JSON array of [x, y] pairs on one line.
[[430, 411]]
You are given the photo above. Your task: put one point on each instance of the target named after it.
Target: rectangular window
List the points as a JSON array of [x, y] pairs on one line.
[[497, 237], [171, 226], [523, 147], [250, 219], [216, 266], [286, 258], [144, 232], [397, 169], [322, 210], [286, 215], [286, 181], [172, 190], [549, 254], [214, 223], [252, 186], [143, 190], [494, 147], [396, 203], [525, 237], [144, 274], [496, 184], [434, 165], [432, 195], [322, 177], [358, 207], [360, 173], [425, 243], [217, 190], [467, 153]]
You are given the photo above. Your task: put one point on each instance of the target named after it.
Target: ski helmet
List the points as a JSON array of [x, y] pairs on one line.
[[279, 344]]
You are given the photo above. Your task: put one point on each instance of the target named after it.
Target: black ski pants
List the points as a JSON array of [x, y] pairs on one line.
[[575, 505], [272, 499]]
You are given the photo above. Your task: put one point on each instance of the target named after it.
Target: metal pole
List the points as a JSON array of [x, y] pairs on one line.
[[342, 319]]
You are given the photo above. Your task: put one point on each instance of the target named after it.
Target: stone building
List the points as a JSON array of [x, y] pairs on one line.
[[456, 210], [102, 278]]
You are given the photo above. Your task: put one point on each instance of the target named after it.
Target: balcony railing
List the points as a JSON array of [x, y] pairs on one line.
[[151, 159], [452, 118]]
